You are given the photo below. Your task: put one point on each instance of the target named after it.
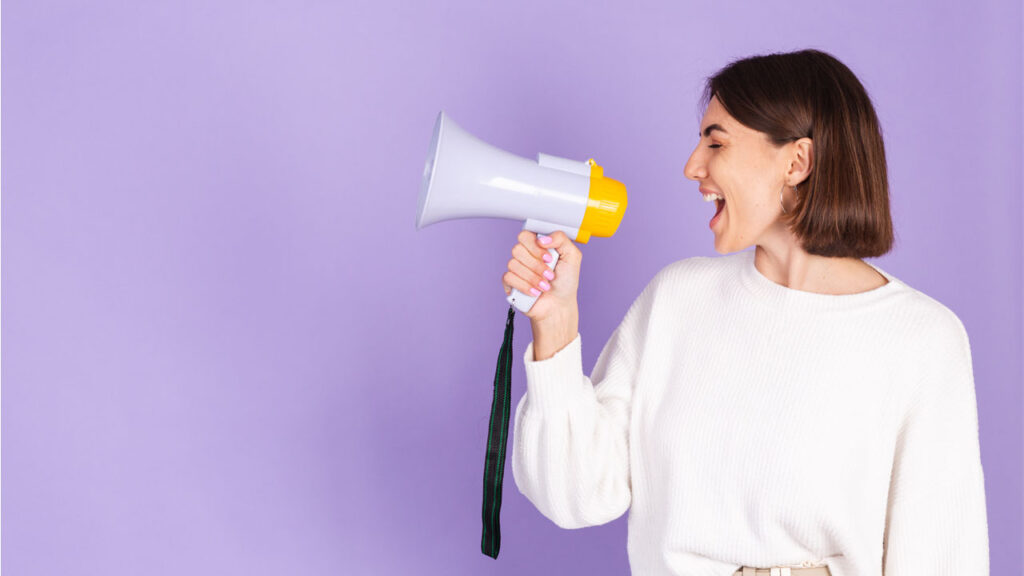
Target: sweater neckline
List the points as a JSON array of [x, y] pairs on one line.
[[791, 298]]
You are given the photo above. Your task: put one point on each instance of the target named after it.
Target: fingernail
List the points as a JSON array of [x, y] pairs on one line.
[[534, 291], [549, 274], [547, 257], [545, 240], [545, 286]]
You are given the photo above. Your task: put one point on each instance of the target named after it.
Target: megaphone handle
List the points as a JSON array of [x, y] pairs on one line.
[[523, 302]]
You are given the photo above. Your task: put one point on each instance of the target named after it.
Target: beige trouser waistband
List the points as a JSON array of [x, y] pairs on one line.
[[813, 571]]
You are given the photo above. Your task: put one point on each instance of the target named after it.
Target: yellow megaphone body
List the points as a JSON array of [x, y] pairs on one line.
[[464, 177]]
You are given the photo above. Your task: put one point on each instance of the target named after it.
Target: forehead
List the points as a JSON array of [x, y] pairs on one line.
[[715, 116]]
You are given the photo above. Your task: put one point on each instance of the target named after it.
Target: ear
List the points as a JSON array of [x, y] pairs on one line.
[[801, 161]]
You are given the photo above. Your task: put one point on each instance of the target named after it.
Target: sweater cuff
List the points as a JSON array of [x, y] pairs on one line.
[[552, 384]]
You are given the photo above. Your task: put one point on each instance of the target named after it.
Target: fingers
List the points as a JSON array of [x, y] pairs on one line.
[[529, 241], [560, 241], [529, 261], [510, 280], [514, 280], [530, 276], [527, 268], [525, 272], [563, 245]]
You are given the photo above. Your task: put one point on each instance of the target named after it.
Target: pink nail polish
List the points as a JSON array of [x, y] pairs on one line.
[[549, 274], [534, 291], [545, 286], [545, 240], [547, 257]]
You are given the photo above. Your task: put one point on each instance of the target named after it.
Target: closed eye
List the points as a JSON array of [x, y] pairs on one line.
[[715, 146]]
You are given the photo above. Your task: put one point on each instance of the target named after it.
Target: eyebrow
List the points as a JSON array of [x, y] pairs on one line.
[[712, 127]]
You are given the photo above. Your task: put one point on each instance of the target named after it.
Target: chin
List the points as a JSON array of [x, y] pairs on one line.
[[721, 244], [723, 247]]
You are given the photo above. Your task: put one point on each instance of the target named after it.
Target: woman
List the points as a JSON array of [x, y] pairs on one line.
[[787, 407]]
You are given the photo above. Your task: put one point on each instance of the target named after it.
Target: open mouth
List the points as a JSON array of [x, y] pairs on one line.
[[719, 207]]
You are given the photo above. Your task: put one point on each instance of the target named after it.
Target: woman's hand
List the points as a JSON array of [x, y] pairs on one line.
[[526, 270]]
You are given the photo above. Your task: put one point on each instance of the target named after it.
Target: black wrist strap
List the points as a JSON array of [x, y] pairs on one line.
[[497, 436]]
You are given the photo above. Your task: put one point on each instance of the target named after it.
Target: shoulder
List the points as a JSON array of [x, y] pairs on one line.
[[934, 322], [671, 285], [943, 366], [696, 277], [680, 283], [697, 271], [936, 344]]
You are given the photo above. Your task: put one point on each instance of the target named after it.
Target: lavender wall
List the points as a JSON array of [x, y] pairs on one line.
[[227, 349]]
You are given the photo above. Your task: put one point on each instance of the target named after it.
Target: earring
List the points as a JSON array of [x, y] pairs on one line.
[[797, 193]]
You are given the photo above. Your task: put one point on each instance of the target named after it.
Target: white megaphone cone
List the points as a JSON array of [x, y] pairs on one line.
[[464, 177]]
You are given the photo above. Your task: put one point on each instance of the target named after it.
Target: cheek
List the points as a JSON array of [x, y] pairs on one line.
[[742, 183], [745, 206]]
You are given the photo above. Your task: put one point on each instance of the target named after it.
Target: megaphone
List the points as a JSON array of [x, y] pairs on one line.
[[464, 177]]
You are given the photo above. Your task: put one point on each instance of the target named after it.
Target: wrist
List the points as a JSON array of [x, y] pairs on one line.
[[565, 319], [552, 334]]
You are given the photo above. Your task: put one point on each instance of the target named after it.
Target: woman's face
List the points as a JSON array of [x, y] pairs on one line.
[[747, 170]]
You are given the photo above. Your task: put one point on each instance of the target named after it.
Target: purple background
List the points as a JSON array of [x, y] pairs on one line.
[[227, 349]]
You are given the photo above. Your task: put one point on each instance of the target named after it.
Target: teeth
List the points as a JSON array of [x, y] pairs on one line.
[[713, 196]]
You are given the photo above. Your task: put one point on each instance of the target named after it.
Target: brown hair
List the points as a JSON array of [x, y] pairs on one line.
[[843, 207]]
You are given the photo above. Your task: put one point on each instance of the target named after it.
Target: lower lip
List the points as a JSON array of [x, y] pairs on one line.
[[715, 218]]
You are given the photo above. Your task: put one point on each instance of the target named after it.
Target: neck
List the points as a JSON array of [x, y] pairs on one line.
[[789, 265]]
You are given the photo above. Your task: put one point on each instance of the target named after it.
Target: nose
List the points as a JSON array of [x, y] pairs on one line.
[[695, 169]]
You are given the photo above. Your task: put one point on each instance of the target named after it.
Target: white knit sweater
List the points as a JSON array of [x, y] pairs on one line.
[[742, 422]]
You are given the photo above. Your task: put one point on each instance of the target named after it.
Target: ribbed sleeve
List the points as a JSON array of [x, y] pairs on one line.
[[936, 521], [570, 454]]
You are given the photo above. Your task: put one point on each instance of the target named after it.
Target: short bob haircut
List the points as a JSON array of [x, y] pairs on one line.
[[843, 206]]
